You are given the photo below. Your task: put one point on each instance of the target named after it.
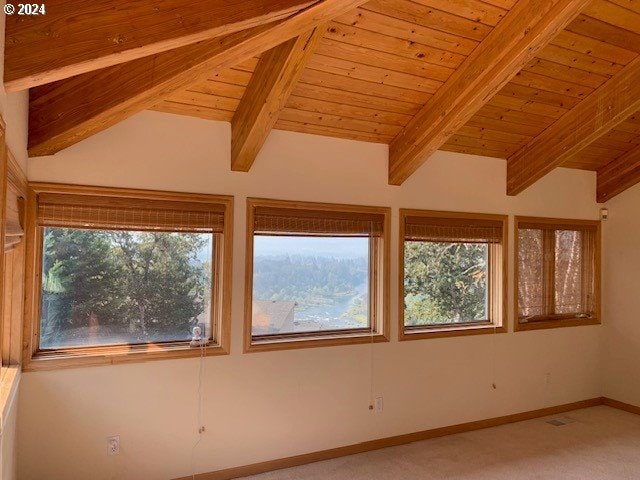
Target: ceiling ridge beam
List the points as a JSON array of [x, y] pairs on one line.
[[271, 84], [593, 117], [619, 175], [77, 37], [65, 112], [527, 28]]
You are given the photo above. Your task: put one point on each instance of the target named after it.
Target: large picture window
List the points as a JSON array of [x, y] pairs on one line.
[[119, 273], [316, 274], [557, 272], [123, 287], [452, 273]]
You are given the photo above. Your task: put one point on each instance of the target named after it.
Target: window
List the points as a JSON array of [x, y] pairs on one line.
[[125, 274], [452, 268], [557, 272], [316, 274]]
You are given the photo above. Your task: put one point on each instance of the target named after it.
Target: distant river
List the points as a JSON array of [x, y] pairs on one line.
[[333, 313]]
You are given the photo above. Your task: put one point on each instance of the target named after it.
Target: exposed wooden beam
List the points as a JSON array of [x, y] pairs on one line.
[[64, 112], [593, 117], [274, 79], [526, 29], [76, 36], [619, 175]]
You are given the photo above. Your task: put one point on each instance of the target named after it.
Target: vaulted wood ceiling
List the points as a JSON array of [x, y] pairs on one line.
[[541, 83]]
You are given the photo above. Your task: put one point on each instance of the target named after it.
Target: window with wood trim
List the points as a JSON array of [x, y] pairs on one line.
[[452, 273], [317, 274], [557, 272], [118, 274]]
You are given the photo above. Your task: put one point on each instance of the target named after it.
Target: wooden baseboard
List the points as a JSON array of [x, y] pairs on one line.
[[627, 407], [262, 467]]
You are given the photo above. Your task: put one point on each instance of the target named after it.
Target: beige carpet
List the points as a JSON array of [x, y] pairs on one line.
[[601, 444]]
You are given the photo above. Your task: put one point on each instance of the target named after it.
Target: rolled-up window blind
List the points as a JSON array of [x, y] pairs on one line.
[[556, 270], [292, 221], [452, 230], [556, 226], [110, 213], [13, 227]]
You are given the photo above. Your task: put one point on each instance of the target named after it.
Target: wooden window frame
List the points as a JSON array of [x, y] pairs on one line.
[[379, 252], [558, 321], [33, 359], [497, 296]]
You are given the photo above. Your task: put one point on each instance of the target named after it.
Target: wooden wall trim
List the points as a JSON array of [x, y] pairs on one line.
[[3, 203], [9, 382], [287, 462], [15, 175], [627, 407]]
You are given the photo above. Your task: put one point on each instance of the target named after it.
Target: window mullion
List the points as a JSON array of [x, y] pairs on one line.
[[549, 271], [373, 284]]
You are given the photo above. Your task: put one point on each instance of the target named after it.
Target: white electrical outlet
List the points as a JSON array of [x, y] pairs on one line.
[[113, 445], [378, 405], [547, 379]]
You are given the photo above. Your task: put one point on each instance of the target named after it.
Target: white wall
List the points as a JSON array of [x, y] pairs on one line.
[[620, 291], [263, 406], [8, 450]]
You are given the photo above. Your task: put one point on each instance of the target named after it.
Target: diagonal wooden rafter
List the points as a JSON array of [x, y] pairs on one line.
[[76, 37], [526, 29], [593, 117], [272, 82], [64, 112], [619, 175]]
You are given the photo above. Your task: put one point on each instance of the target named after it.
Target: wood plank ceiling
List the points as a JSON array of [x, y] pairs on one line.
[[377, 66]]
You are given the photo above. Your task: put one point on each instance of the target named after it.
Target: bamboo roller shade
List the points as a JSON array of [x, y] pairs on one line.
[[109, 213], [293, 221], [453, 230]]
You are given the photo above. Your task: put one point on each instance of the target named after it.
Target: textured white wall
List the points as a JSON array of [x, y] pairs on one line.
[[620, 292], [262, 406], [8, 450]]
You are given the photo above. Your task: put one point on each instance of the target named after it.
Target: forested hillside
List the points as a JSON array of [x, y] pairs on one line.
[[111, 286]]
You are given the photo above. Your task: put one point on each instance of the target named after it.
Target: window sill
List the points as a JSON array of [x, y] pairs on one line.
[[561, 323], [310, 342], [9, 381], [96, 356], [452, 331]]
